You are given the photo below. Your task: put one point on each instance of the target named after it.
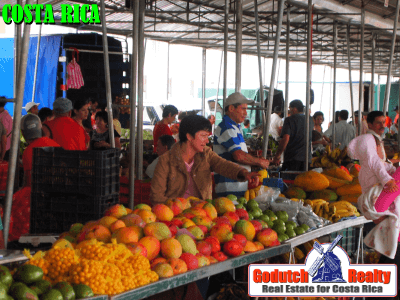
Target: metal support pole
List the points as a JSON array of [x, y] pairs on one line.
[[18, 45], [261, 91], [334, 83], [281, 5], [361, 90], [16, 127], [239, 15], [286, 103], [203, 83], [350, 80], [216, 98], [36, 62], [226, 27], [308, 85], [379, 93], [372, 86], [141, 53], [107, 74], [168, 72], [389, 74], [132, 98]]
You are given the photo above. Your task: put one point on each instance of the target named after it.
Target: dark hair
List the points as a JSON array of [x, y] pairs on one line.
[[3, 101], [78, 104], [234, 105], [169, 110], [387, 114], [192, 125], [209, 117], [317, 114], [374, 114], [167, 140], [103, 115], [246, 122], [44, 113], [344, 114], [337, 116]]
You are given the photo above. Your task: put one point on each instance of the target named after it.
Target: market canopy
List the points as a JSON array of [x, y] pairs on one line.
[[201, 23]]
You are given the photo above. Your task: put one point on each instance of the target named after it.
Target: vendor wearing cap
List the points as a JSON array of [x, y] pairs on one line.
[[63, 129], [229, 144], [32, 108], [293, 140], [276, 123]]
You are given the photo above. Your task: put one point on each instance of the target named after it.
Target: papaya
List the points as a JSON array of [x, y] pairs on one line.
[[295, 192], [349, 189], [335, 183], [350, 198], [311, 181], [338, 173], [326, 194]]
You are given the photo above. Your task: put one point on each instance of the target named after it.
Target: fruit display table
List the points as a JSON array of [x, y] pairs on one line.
[[191, 276], [11, 256]]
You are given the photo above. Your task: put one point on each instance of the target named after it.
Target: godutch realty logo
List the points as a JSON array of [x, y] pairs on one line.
[[327, 272], [44, 13]]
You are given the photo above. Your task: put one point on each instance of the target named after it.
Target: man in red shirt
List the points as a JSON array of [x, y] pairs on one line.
[[31, 128], [63, 129], [162, 127]]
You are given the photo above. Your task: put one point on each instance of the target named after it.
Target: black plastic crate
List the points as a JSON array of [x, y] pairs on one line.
[[349, 240], [55, 213], [94, 173]]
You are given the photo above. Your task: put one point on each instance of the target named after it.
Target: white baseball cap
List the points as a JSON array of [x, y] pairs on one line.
[[29, 106], [237, 98]]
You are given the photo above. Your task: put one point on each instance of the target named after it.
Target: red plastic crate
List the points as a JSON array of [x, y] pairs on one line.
[[141, 194]]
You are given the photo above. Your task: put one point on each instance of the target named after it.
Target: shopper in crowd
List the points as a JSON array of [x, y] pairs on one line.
[[394, 129], [100, 137], [32, 108], [116, 123], [3, 141], [45, 114], [293, 140], [388, 121], [229, 144], [396, 109], [162, 128], [336, 119], [276, 123], [246, 129], [211, 118], [63, 129], [344, 132], [364, 127], [31, 128], [7, 122], [186, 169], [318, 139], [164, 144], [87, 124], [318, 120], [374, 177], [79, 114]]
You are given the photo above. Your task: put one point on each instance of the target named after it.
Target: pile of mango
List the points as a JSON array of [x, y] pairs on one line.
[[334, 184]]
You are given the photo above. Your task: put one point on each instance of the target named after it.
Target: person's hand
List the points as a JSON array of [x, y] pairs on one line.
[[263, 163], [377, 221], [252, 178], [391, 186], [276, 160], [324, 142]]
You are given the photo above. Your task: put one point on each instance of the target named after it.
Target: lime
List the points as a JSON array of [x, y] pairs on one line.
[[279, 223], [252, 204], [242, 200], [66, 290], [293, 223], [28, 274], [36, 290], [290, 233], [232, 197], [305, 227], [279, 226], [290, 226], [270, 224], [256, 212], [271, 215], [265, 218], [299, 230], [5, 277], [53, 294], [239, 206], [83, 291], [251, 217], [282, 215], [282, 237]]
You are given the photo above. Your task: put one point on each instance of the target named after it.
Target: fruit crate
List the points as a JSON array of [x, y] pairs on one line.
[[349, 240], [56, 212], [94, 173], [142, 192]]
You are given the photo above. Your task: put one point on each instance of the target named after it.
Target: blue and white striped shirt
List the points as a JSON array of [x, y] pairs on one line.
[[228, 138]]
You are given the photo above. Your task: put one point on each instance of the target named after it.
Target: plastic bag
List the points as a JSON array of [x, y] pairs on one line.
[[291, 207], [307, 216], [266, 196]]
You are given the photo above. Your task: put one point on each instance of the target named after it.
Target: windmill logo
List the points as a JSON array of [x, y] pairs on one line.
[[326, 268]]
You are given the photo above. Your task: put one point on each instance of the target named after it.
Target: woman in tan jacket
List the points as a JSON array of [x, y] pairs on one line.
[[186, 169]]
